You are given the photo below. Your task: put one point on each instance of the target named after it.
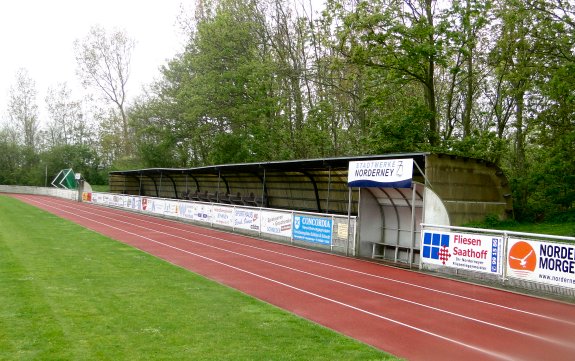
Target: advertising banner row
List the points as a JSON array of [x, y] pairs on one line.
[[306, 228], [535, 261]]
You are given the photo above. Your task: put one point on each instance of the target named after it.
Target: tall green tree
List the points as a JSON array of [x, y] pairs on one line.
[[67, 123], [11, 157], [232, 82], [23, 110], [103, 61], [533, 47], [404, 40]]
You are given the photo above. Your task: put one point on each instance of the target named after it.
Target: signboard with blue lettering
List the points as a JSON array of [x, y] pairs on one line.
[[472, 252], [542, 262], [388, 173], [312, 229]]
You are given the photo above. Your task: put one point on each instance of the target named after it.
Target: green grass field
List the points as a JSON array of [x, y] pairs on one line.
[[100, 188], [558, 228], [67, 293]]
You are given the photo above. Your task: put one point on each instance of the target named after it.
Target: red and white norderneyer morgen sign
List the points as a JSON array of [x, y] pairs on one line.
[[479, 253], [543, 262]]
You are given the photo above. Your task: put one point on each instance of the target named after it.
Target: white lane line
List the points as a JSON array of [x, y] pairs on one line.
[[475, 348], [491, 324], [565, 321]]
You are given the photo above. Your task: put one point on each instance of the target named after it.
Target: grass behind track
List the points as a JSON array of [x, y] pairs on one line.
[[67, 293], [557, 228]]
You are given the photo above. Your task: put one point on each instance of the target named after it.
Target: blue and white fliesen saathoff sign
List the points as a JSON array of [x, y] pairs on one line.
[[388, 173]]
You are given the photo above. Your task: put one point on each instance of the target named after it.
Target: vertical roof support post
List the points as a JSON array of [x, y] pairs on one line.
[[264, 187], [427, 182], [218, 192], [328, 189], [315, 190], [349, 194], [158, 190], [173, 184], [140, 189], [411, 249], [397, 219]]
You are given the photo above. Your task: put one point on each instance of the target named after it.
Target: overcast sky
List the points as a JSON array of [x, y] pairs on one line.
[[38, 35]]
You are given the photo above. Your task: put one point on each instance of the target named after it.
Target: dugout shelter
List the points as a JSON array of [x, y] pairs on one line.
[[444, 190]]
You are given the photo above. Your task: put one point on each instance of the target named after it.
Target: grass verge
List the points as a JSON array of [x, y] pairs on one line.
[[100, 188], [68, 293], [565, 228]]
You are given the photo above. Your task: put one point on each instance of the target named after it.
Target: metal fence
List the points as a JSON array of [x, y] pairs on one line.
[[539, 262], [327, 232]]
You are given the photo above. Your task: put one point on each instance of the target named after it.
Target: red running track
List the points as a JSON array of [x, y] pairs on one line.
[[411, 315]]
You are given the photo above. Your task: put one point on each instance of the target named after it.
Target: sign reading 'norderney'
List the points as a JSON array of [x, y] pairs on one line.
[[544, 262], [479, 253], [391, 173]]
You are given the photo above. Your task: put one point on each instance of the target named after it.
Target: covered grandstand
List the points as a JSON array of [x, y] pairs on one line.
[[445, 189]]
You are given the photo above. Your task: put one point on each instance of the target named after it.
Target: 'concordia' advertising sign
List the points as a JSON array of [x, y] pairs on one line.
[[543, 262], [312, 229], [478, 253], [388, 173]]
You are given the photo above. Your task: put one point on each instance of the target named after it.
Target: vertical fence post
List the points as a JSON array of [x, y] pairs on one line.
[[412, 248], [422, 228], [504, 258], [292, 226], [349, 220], [331, 246], [261, 212]]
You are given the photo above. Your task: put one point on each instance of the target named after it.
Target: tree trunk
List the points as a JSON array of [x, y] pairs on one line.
[[430, 82]]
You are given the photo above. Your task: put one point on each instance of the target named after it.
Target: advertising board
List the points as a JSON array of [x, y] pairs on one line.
[[473, 252], [86, 197], [156, 206], [315, 229], [542, 262], [277, 223], [247, 218], [387, 173], [132, 202], [200, 212], [223, 215], [312, 229]]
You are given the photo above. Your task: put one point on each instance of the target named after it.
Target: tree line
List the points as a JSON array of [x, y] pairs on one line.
[[270, 80]]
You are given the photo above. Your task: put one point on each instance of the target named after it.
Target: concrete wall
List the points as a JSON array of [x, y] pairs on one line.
[[45, 191], [470, 189]]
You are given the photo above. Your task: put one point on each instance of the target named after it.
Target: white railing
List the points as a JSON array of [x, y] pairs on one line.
[[334, 233], [527, 260]]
